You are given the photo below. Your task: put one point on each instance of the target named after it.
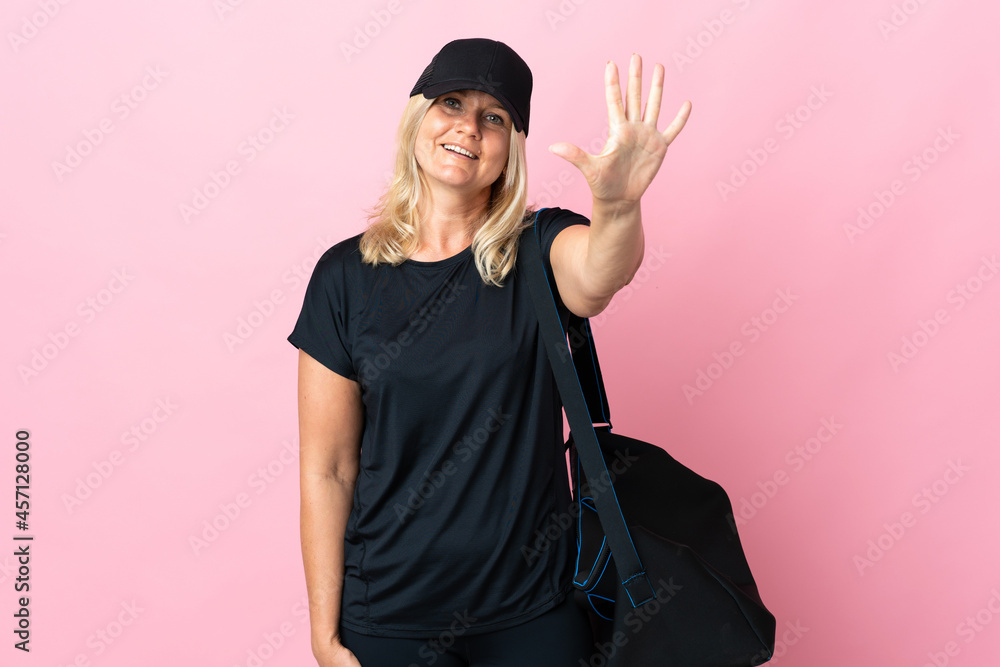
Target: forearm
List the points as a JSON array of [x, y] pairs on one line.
[[615, 248], [325, 507]]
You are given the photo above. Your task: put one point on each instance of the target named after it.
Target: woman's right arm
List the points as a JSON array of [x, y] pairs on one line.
[[331, 422]]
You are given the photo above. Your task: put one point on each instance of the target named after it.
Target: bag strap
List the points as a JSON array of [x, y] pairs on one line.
[[630, 570], [588, 369]]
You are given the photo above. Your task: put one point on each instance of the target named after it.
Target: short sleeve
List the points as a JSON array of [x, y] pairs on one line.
[[550, 222], [322, 328]]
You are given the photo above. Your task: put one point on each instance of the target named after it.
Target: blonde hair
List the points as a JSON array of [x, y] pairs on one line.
[[392, 232]]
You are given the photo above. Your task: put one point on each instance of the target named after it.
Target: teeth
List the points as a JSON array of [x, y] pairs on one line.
[[459, 150]]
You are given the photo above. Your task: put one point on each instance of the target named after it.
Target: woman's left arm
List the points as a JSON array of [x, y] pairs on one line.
[[591, 264]]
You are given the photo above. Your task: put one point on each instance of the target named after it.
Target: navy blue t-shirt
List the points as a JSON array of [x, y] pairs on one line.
[[462, 498]]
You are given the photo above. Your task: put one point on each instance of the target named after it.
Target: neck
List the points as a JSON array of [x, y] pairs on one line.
[[448, 219]]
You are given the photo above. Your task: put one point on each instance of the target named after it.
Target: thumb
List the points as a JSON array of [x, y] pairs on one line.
[[575, 156]]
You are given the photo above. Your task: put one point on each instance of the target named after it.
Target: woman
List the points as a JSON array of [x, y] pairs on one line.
[[432, 462]]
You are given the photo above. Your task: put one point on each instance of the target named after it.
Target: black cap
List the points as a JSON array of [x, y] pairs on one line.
[[481, 64]]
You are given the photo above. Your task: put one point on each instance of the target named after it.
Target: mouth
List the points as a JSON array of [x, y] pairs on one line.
[[458, 150]]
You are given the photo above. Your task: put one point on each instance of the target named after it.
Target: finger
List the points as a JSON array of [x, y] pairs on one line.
[[678, 123], [655, 95], [572, 154], [613, 93], [633, 105]]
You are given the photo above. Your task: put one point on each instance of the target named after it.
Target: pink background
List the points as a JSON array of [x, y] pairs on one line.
[[873, 538]]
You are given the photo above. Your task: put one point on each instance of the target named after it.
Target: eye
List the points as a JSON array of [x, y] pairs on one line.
[[446, 100], [497, 119]]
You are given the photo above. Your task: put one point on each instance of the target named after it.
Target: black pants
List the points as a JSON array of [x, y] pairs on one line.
[[560, 637]]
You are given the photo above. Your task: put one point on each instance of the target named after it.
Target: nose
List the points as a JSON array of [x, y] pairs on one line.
[[469, 124]]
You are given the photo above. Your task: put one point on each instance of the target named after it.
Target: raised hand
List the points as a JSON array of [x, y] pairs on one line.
[[635, 148]]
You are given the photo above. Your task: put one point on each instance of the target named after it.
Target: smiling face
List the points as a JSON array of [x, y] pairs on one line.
[[463, 141]]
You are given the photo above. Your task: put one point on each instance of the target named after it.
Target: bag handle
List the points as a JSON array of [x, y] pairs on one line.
[[630, 570]]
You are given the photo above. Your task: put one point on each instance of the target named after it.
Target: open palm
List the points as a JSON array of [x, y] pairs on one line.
[[635, 148]]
